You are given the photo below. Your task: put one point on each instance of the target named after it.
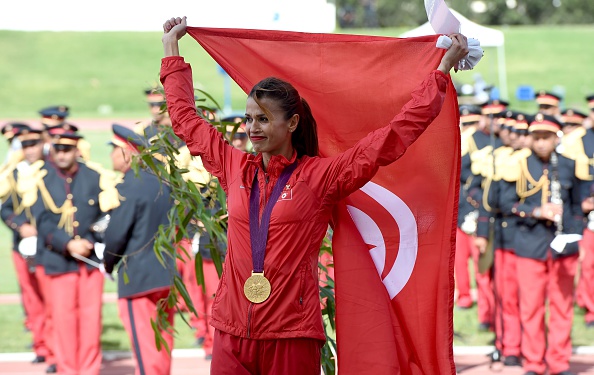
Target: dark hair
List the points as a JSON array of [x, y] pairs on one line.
[[305, 137]]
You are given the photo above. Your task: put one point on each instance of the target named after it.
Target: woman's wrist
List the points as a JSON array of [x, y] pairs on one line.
[[170, 45]]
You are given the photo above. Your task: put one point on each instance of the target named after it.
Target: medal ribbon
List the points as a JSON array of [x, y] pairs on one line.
[[259, 229]]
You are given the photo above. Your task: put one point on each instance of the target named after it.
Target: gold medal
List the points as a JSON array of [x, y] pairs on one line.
[[257, 288]]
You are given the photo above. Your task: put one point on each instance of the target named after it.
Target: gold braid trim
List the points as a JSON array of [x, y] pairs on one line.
[[6, 174], [66, 211], [526, 178], [510, 169]]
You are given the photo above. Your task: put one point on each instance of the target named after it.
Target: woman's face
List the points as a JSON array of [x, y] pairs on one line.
[[269, 132]]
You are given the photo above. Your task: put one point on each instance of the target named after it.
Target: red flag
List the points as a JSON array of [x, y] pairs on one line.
[[395, 315]]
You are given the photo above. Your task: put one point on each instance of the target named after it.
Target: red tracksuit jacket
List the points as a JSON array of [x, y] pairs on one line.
[[299, 220]]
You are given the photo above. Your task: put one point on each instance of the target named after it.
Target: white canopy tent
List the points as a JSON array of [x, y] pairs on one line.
[[489, 38]]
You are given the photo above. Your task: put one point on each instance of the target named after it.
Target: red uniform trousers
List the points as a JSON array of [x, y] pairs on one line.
[[136, 314], [44, 281], [466, 249], [211, 281], [585, 290], [508, 326], [32, 302], [187, 271], [234, 355], [538, 280], [76, 311]]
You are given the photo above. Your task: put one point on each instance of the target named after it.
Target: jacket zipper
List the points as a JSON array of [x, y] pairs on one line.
[[249, 319]]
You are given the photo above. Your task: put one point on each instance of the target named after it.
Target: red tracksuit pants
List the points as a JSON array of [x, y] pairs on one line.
[[465, 250], [76, 313], [234, 355], [508, 327], [32, 303], [538, 282], [136, 314], [585, 290]]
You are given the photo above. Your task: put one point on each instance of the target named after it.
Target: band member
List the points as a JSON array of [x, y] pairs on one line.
[[74, 199], [548, 103], [18, 212], [545, 195], [500, 228], [129, 245]]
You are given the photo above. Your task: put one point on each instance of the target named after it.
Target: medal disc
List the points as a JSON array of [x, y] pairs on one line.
[[257, 288]]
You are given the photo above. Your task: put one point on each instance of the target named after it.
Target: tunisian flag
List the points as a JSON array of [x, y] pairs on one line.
[[393, 239]]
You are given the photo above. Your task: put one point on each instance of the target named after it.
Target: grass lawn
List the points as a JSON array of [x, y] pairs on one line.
[[102, 75]]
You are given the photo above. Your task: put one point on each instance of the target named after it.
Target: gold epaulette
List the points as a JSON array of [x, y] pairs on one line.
[[482, 162], [573, 148], [28, 180], [6, 175], [510, 168], [196, 171], [139, 128], [84, 148], [467, 141], [109, 197]]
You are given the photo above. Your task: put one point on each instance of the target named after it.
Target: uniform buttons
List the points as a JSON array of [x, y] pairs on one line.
[[522, 214], [77, 237], [74, 209], [91, 202], [69, 196], [504, 224], [545, 172], [75, 224], [13, 226], [69, 180], [514, 210], [468, 199]]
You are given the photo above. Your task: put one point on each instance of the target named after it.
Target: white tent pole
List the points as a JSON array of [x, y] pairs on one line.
[[502, 72]]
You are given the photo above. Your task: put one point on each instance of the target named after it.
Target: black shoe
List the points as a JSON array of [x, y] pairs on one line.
[[38, 359], [564, 373], [532, 373], [51, 369], [590, 324], [199, 341], [512, 360], [208, 357]]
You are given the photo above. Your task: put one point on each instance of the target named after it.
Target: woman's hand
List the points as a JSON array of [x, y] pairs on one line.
[[455, 53], [173, 30]]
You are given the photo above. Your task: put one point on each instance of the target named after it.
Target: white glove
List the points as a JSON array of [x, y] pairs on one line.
[[475, 52], [196, 243]]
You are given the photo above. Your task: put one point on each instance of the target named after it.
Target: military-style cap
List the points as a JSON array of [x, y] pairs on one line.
[[126, 138], [67, 137], [469, 114], [12, 129], [573, 117], [494, 107], [544, 123], [54, 115], [521, 123], [508, 119], [64, 127], [547, 98], [154, 96], [30, 137], [590, 100]]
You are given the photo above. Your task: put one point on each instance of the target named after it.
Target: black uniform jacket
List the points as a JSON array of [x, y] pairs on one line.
[[26, 216], [82, 187], [533, 236], [132, 231]]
